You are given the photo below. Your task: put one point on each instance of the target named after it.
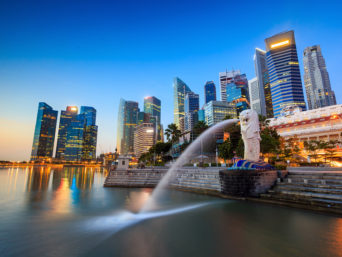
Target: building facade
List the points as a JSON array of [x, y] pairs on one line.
[[180, 89], [237, 92], [264, 90], [90, 133], [191, 107], [316, 79], [209, 92], [216, 111], [225, 78], [283, 71], [44, 133], [144, 138], [317, 124], [152, 106], [255, 100], [127, 121], [81, 136], [65, 120]]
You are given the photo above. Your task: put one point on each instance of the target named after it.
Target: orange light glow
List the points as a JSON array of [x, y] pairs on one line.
[[286, 42]]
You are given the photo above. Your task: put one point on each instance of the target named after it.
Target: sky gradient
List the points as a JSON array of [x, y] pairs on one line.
[[93, 53]]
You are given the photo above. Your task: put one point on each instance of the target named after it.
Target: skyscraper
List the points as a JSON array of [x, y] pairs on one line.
[[179, 91], [225, 78], [209, 91], [255, 99], [127, 121], [237, 92], [316, 79], [263, 85], [75, 138], [89, 134], [81, 136], [44, 133], [152, 106], [144, 138], [65, 120], [191, 107], [284, 73]]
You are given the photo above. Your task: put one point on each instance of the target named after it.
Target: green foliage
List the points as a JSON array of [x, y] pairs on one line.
[[199, 128], [270, 141], [172, 133]]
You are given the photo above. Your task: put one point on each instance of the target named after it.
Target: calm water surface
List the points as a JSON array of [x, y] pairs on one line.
[[67, 212]]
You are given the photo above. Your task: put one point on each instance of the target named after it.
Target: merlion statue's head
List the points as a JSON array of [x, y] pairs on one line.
[[249, 120]]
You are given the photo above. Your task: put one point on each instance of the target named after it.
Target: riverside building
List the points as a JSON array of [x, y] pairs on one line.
[[317, 124], [44, 133], [283, 71], [81, 136], [65, 120], [316, 79]]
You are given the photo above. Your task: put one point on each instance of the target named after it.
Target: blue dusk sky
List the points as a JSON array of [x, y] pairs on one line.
[[95, 52]]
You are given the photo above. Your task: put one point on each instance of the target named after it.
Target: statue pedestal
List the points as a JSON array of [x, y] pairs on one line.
[[247, 183]]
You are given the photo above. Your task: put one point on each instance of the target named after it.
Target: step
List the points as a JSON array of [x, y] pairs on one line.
[[330, 203], [312, 181], [308, 189], [310, 195], [315, 185]]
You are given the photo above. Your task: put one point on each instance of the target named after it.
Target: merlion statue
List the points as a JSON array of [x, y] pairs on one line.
[[250, 132]]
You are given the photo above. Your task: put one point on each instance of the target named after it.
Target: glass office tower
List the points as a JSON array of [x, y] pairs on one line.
[[44, 133], [263, 85], [89, 134], [191, 107], [316, 79], [225, 78], [81, 136], [179, 91], [284, 73], [209, 91], [65, 120], [75, 138], [152, 106], [237, 92], [127, 121]]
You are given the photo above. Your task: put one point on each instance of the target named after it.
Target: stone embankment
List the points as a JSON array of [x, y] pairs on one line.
[[187, 178], [309, 188], [320, 189]]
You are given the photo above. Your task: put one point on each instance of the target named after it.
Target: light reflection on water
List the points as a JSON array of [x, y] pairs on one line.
[[67, 212]]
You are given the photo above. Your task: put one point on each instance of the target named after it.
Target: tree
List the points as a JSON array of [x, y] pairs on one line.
[[312, 146], [330, 149], [199, 128], [270, 141], [172, 133], [225, 150]]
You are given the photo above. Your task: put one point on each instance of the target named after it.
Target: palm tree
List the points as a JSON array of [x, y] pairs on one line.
[[172, 133]]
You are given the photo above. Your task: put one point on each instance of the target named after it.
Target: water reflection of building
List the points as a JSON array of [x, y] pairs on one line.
[[38, 179]]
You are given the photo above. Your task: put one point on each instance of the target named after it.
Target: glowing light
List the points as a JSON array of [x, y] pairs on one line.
[[149, 131], [286, 42], [73, 108]]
